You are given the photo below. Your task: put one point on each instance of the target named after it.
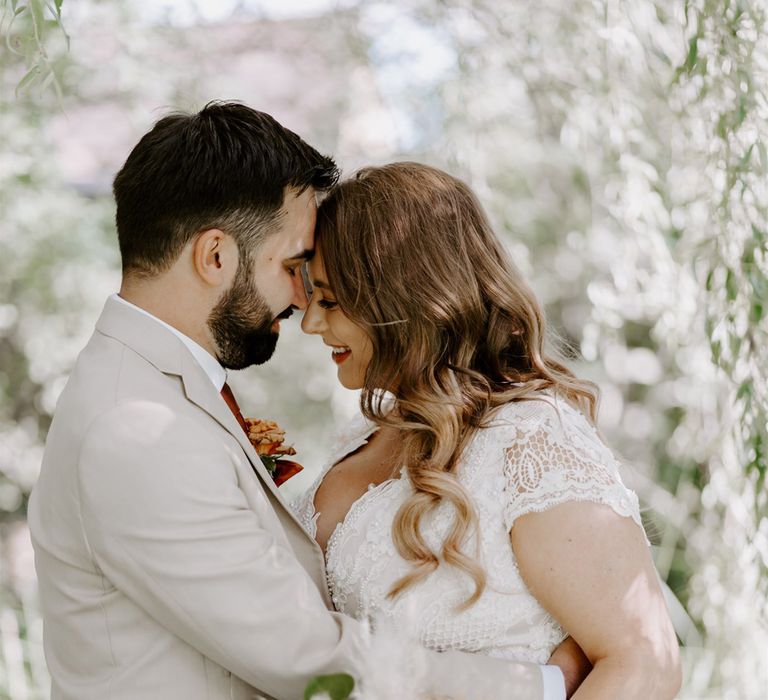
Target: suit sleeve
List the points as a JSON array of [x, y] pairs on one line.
[[168, 525]]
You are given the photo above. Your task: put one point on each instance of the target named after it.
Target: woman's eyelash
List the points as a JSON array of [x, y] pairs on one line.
[[326, 304]]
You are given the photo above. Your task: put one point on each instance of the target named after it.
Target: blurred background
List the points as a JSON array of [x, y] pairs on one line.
[[619, 147]]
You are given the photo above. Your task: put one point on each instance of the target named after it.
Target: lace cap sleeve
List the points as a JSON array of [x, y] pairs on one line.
[[552, 455]]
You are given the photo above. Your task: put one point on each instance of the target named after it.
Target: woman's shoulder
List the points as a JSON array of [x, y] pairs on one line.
[[541, 410], [550, 426]]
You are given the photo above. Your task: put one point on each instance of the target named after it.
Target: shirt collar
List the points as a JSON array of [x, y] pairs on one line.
[[216, 373]]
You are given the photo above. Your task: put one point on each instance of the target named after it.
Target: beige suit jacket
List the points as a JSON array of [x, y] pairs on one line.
[[169, 566]]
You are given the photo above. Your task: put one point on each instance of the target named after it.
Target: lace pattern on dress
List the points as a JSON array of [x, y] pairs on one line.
[[556, 456]]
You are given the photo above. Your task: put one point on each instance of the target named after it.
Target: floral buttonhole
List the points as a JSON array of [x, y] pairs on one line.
[[268, 440]]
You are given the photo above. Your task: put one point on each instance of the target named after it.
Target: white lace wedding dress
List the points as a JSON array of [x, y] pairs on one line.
[[534, 455]]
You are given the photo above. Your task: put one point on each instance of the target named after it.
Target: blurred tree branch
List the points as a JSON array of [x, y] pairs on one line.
[[726, 71], [27, 28]]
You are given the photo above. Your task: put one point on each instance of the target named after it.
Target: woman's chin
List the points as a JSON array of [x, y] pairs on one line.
[[348, 383]]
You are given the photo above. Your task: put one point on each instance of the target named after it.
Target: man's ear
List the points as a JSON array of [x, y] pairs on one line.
[[215, 257]]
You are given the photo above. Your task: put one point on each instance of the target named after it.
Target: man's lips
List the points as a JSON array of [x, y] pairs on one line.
[[285, 314]]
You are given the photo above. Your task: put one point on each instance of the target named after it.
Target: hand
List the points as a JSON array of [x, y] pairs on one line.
[[570, 659]]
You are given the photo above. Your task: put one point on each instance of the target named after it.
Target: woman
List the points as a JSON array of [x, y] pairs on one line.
[[473, 500]]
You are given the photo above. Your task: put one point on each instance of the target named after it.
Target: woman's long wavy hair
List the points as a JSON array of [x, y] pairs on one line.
[[456, 332]]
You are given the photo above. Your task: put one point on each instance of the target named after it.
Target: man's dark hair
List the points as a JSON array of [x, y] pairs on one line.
[[225, 167]]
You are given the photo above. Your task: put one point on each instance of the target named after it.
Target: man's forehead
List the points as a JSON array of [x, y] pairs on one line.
[[300, 223]]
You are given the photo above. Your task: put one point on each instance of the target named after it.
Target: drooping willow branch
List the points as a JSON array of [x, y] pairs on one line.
[[26, 27]]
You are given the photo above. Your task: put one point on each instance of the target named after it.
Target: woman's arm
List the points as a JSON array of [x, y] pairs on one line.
[[591, 569]]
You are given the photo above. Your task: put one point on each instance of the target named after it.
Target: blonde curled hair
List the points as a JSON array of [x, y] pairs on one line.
[[456, 332]]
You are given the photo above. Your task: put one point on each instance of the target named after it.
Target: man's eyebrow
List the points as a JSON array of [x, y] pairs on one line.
[[301, 257]]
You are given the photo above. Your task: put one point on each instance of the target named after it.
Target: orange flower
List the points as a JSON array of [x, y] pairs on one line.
[[267, 438]]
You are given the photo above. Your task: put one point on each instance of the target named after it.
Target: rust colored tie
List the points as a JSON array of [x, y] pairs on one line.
[[229, 397]]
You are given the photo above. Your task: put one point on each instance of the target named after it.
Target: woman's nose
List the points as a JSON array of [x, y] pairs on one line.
[[313, 321]]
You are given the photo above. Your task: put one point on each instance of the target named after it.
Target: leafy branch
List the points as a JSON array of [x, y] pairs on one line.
[[27, 27], [723, 68]]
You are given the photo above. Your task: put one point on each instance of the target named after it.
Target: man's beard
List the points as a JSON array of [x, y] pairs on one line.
[[241, 324]]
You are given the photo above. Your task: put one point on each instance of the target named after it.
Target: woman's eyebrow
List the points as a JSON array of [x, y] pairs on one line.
[[320, 284]]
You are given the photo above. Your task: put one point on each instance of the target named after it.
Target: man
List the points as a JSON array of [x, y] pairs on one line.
[[169, 566]]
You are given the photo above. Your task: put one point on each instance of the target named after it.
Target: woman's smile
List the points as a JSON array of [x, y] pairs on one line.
[[339, 354]]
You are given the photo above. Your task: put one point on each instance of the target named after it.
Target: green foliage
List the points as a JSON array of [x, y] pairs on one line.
[[29, 29], [338, 686], [734, 35]]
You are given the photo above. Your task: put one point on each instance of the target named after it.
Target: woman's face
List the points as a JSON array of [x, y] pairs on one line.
[[351, 348]]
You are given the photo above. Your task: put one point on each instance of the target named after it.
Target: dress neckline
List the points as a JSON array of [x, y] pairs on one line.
[[353, 441]]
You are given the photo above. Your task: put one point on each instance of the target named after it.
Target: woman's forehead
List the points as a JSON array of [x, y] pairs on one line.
[[316, 267]]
